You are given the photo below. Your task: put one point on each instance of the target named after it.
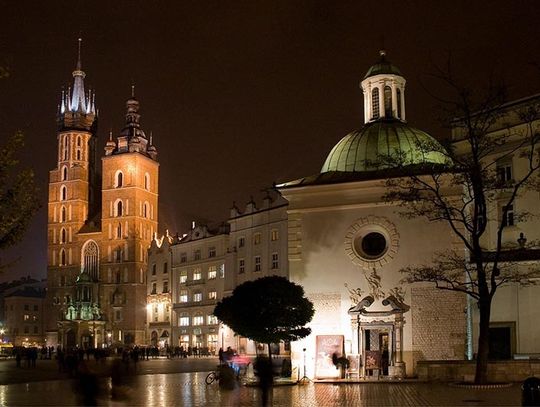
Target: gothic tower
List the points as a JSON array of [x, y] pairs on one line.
[[129, 221], [71, 194], [101, 222]]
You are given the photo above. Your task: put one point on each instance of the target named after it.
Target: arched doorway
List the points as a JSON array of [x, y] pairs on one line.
[[71, 339]]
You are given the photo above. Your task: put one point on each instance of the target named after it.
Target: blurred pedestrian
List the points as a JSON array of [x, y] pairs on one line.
[[263, 370]]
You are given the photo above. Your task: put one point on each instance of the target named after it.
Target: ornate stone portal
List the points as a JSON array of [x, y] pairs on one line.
[[378, 336]]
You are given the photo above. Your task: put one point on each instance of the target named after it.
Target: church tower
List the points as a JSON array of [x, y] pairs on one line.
[[71, 192], [129, 221], [101, 222]]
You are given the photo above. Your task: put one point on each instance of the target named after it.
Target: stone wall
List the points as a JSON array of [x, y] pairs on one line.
[[438, 324], [463, 370]]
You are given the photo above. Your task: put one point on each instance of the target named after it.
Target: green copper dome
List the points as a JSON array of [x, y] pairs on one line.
[[376, 144], [383, 67]]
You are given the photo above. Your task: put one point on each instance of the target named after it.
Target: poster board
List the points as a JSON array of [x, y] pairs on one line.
[[326, 346]]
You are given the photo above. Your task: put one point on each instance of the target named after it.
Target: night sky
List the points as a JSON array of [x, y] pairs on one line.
[[241, 94]]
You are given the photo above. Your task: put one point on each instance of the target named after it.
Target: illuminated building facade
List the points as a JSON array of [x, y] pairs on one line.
[[159, 301], [198, 275], [24, 312], [347, 246], [101, 220]]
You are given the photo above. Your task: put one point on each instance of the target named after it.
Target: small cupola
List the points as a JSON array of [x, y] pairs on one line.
[[384, 91]]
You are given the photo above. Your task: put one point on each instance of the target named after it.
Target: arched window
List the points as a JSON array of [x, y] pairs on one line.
[[62, 257], [63, 214], [147, 181], [63, 236], [91, 259], [64, 173], [63, 193], [375, 103], [65, 147], [398, 100], [145, 210], [79, 141], [119, 231], [119, 208], [387, 101], [78, 154], [119, 179]]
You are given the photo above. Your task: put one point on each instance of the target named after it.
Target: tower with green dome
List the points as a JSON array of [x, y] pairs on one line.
[[385, 139]]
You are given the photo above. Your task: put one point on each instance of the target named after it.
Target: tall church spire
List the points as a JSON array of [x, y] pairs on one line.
[[78, 100], [77, 107]]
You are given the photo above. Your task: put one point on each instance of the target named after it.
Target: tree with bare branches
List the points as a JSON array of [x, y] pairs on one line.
[[475, 195]]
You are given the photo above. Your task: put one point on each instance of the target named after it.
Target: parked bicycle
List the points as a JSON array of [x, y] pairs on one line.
[[212, 377]]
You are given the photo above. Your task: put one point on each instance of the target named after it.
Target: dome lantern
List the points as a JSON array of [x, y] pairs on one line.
[[384, 91]]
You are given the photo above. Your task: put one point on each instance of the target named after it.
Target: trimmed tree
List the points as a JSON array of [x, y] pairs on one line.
[[267, 310]]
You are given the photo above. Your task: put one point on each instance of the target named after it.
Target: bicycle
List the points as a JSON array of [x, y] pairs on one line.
[[212, 377]]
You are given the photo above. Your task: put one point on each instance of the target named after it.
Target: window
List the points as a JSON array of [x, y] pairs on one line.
[[183, 297], [118, 315], [35, 307], [63, 236], [78, 141], [504, 173], [26, 317], [241, 241], [241, 266], [197, 297], [275, 261], [257, 263], [78, 155], [388, 101], [26, 330], [119, 208], [198, 320], [154, 288], [375, 103], [197, 254], [212, 320], [153, 269], [119, 231], [165, 268], [274, 235], [64, 173], [212, 272], [222, 271], [35, 329], [398, 100], [62, 257], [183, 277], [212, 252], [26, 307], [508, 219], [183, 321], [156, 308], [183, 257], [119, 181], [63, 214], [147, 181], [212, 295], [197, 274], [257, 238], [63, 193], [145, 210], [165, 286]]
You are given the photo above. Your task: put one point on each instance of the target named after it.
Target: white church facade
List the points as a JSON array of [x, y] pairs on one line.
[[347, 246]]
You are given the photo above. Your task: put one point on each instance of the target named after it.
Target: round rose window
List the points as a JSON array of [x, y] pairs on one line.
[[372, 245]]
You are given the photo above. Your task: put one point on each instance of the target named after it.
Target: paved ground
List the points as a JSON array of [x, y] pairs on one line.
[[159, 386]]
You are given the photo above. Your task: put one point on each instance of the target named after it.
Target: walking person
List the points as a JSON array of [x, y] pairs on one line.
[[263, 370]]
